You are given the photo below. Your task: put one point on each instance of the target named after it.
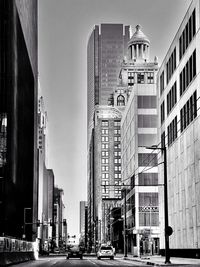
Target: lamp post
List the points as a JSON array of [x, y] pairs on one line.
[[167, 228]]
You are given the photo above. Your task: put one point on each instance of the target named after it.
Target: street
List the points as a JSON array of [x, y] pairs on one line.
[[85, 262]]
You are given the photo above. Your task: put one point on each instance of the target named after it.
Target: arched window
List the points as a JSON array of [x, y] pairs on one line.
[[120, 100]]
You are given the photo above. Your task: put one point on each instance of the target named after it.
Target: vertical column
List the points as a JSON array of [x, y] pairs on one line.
[[137, 51]]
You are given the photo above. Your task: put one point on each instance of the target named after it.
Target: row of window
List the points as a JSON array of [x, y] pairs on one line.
[[145, 159], [147, 121], [172, 131], [147, 101], [171, 65], [116, 168], [171, 98], [105, 123], [188, 73], [189, 111], [184, 41], [187, 114], [186, 76], [187, 34], [142, 77]]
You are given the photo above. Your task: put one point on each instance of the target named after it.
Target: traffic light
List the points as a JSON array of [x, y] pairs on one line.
[[51, 222], [64, 222], [38, 223]]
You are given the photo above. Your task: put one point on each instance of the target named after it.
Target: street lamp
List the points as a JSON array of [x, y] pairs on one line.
[[168, 229]]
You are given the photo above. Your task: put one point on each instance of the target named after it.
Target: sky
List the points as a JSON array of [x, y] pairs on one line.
[[64, 28]]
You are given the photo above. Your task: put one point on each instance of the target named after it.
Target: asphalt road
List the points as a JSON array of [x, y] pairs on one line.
[[85, 262]]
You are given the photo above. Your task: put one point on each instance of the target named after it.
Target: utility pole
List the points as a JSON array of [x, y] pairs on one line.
[[167, 254], [168, 229], [125, 226]]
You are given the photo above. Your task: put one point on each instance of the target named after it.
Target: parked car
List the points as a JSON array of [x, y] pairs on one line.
[[74, 251], [105, 252]]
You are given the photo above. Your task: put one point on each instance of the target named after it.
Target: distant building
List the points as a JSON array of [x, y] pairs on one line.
[[179, 92], [58, 220], [83, 222], [18, 118], [139, 130], [107, 46]]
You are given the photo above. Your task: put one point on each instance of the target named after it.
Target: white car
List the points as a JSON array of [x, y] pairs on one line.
[[105, 252]]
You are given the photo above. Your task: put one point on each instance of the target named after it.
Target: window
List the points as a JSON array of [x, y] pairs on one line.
[[171, 65], [117, 168], [117, 138], [189, 111], [104, 160], [120, 100], [117, 153], [117, 175], [171, 98], [145, 159], [104, 123], [116, 123], [150, 77], [187, 34], [104, 131], [104, 168], [104, 153], [140, 77], [162, 82], [162, 112], [172, 131], [105, 176], [104, 138], [131, 78], [147, 121], [163, 140], [148, 178], [104, 146], [117, 131], [117, 160], [146, 101], [188, 73]]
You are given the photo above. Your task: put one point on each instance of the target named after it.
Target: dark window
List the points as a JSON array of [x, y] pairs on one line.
[[171, 98], [188, 73], [120, 100], [189, 111], [145, 159], [187, 34], [162, 112], [172, 131]]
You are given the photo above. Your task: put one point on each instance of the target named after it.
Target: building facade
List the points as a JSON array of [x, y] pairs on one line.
[[139, 165], [18, 113], [106, 47], [178, 91], [83, 222]]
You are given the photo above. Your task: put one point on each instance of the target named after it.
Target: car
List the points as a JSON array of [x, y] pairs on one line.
[[74, 251], [105, 252]]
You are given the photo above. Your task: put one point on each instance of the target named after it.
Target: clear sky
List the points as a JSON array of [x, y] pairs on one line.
[[64, 29]]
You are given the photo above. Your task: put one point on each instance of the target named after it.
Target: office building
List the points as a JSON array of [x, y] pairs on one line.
[[178, 91], [107, 46], [83, 222], [138, 131], [18, 119]]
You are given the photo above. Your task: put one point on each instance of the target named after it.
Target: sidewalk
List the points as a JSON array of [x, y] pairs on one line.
[[160, 260]]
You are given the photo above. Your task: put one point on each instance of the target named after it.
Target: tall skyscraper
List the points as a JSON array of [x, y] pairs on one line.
[[106, 49], [107, 46], [18, 113]]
